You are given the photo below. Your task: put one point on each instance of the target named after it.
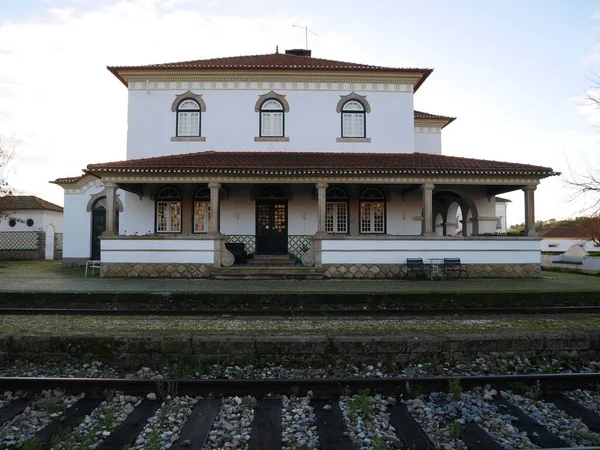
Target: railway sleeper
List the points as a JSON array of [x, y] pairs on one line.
[[267, 428]]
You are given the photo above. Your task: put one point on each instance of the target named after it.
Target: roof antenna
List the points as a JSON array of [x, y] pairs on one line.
[[277, 49], [306, 31]]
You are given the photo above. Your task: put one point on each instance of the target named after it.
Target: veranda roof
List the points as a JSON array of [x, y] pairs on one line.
[[315, 163]]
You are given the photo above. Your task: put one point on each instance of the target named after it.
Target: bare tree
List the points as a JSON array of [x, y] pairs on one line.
[[590, 229], [586, 183], [8, 149]]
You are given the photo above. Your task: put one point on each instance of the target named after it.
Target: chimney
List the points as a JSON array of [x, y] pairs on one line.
[[298, 52]]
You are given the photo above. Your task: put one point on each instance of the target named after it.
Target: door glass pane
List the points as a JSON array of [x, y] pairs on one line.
[[279, 218], [263, 217]]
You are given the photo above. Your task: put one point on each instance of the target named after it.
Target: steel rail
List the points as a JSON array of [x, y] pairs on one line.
[[385, 313], [320, 387]]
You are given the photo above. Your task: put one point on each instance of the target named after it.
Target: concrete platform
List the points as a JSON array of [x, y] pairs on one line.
[[300, 341]]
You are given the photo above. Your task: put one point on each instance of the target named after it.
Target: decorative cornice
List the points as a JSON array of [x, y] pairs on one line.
[[188, 95], [272, 95], [353, 96]]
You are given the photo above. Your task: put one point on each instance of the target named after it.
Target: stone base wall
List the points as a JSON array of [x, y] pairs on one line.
[[19, 255], [155, 270], [372, 271]]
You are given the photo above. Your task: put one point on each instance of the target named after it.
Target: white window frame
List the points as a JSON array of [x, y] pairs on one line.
[[188, 118], [272, 118], [168, 213], [336, 217], [354, 120], [372, 200]]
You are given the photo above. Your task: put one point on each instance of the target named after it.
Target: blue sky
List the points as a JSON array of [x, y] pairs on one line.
[[513, 72]]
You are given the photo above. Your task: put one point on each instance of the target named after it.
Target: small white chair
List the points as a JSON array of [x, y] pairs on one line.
[[93, 265]]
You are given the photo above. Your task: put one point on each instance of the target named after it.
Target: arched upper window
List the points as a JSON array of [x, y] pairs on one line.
[[201, 209], [353, 119], [272, 119], [271, 191], [372, 211], [336, 211], [188, 118], [168, 210]]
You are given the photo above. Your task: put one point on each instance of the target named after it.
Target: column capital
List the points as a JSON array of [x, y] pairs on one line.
[[428, 187], [530, 187], [214, 185], [322, 185], [110, 185]]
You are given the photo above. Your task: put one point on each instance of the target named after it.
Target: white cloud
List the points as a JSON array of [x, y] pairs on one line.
[[58, 97]]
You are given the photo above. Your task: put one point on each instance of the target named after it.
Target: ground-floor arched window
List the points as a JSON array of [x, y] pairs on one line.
[[372, 211], [168, 210], [201, 210], [336, 211]]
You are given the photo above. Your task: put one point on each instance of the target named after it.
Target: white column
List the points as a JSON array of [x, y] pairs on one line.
[[529, 210], [213, 225], [322, 200], [111, 209], [427, 225]]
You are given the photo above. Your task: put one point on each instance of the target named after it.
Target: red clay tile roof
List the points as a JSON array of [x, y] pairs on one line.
[[26, 202], [427, 116], [68, 179], [312, 163], [271, 61], [561, 232]]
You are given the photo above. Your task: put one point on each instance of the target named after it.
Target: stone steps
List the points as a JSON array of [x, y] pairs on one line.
[[272, 260], [267, 273]]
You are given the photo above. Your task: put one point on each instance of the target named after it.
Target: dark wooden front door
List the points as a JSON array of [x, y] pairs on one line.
[[271, 227], [98, 226]]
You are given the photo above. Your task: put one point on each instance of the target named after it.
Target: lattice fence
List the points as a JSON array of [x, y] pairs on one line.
[[58, 241], [248, 241], [19, 240], [298, 245]]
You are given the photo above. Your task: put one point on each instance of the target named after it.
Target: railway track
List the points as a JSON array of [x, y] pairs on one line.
[[384, 313], [259, 414]]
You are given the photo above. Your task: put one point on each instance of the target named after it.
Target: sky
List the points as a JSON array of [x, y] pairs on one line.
[[515, 73]]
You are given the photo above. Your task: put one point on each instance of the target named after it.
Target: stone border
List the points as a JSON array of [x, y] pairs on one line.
[[155, 270], [370, 271]]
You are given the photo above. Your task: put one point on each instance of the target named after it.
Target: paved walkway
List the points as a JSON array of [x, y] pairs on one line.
[[50, 277]]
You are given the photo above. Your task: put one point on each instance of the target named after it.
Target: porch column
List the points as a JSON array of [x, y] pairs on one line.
[[529, 210], [111, 207], [213, 225], [427, 225], [322, 199]]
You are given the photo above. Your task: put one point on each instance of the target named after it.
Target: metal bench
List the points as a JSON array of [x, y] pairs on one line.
[[454, 266], [415, 266]]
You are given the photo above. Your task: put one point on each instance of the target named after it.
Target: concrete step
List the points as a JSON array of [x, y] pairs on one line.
[[282, 260], [267, 273]]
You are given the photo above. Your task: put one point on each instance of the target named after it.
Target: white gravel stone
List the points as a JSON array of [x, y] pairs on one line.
[[233, 425], [298, 424]]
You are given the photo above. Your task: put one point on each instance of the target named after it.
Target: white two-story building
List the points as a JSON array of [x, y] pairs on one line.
[[321, 162]]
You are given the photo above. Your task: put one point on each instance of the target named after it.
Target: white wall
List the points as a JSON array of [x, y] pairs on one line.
[[470, 251], [428, 142], [563, 244], [501, 212], [77, 222], [21, 217], [231, 123], [158, 251]]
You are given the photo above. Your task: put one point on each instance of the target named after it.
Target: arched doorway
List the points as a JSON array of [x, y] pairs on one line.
[[99, 225], [50, 242], [271, 221]]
